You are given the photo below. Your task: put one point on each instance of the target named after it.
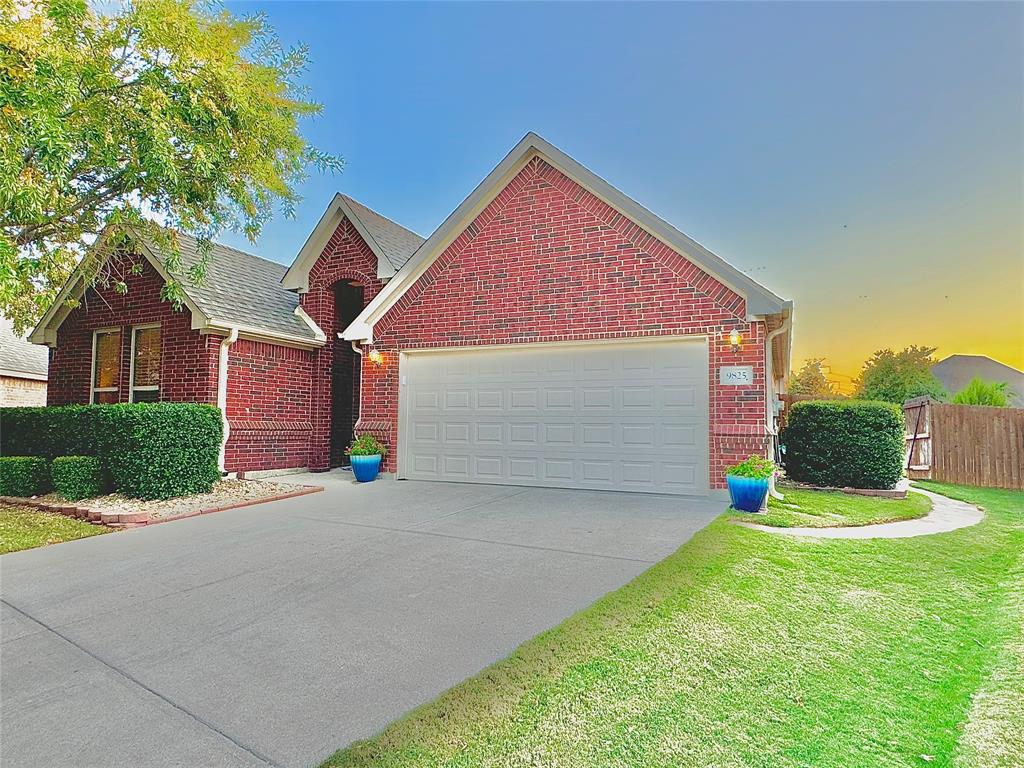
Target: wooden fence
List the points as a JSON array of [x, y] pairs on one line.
[[969, 444]]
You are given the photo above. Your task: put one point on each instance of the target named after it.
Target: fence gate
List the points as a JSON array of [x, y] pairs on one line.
[[973, 445]]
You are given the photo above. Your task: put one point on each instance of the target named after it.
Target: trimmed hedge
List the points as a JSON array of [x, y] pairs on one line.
[[49, 431], [24, 475], [77, 477], [160, 450], [844, 443]]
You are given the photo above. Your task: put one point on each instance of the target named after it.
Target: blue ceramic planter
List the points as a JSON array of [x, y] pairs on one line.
[[365, 468], [747, 493]]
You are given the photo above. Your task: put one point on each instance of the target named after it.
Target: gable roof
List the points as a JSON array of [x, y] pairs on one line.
[[956, 371], [759, 300], [390, 242], [240, 291], [18, 356]]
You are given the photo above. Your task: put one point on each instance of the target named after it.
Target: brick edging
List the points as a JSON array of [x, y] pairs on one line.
[[883, 493], [120, 520]]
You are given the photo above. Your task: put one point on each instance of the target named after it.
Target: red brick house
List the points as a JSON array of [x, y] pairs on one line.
[[550, 332]]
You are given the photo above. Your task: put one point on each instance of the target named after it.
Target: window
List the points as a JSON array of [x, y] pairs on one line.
[[145, 372], [106, 365]]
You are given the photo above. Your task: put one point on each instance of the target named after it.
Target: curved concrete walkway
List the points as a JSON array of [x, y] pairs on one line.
[[947, 515]]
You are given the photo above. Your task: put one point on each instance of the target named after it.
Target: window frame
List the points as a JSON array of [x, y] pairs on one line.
[[131, 363], [93, 389]]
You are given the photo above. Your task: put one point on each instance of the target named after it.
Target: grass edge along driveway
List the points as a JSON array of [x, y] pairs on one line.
[[25, 528], [746, 648]]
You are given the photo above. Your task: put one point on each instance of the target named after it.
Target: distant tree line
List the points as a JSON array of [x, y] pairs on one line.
[[896, 377]]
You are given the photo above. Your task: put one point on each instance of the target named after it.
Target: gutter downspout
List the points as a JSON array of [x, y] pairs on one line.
[[222, 393], [770, 374]]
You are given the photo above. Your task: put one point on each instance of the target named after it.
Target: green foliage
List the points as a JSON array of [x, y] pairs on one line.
[[77, 477], [804, 508], [160, 450], [49, 431], [979, 392], [844, 443], [163, 106], [23, 528], [366, 445], [151, 450], [753, 466], [24, 476], [896, 377], [811, 380]]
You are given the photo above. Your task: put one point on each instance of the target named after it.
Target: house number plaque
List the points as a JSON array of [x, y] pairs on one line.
[[736, 375]]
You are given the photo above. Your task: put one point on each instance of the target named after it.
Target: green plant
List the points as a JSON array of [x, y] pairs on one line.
[[853, 443], [756, 467], [896, 377], [160, 450], [23, 475], [109, 112], [979, 392], [811, 380], [77, 477], [49, 431], [366, 445]]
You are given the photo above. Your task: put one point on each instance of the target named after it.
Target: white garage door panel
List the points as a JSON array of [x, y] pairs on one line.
[[630, 416]]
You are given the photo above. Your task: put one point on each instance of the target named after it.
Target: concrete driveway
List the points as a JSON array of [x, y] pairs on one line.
[[276, 634]]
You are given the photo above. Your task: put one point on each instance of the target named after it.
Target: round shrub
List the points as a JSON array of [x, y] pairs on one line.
[[24, 476], [844, 443], [77, 477]]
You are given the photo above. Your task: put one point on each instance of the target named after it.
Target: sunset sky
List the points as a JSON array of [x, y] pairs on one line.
[[864, 160]]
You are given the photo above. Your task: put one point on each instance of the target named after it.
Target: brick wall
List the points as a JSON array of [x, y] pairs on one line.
[[188, 359], [548, 261], [345, 258], [269, 386], [15, 392], [269, 398]]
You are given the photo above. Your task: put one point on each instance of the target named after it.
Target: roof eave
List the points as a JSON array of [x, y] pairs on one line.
[[297, 276]]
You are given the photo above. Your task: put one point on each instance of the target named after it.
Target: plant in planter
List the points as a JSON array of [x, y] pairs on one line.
[[748, 482], [365, 453]]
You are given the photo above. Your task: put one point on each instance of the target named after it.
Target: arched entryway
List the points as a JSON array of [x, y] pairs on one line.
[[348, 303]]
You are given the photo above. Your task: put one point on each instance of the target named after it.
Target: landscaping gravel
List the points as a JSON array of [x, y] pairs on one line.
[[224, 493]]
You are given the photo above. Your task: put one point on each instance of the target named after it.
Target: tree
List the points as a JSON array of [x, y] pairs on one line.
[[810, 380], [898, 376], [163, 113], [979, 392]]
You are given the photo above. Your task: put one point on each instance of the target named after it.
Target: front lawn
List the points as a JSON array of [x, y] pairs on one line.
[[746, 648], [24, 528], [803, 508]]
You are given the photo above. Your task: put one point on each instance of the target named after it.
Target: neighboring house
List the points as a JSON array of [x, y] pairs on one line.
[[550, 332], [22, 369], [956, 371]]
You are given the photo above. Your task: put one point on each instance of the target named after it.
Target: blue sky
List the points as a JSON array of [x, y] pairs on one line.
[[864, 160]]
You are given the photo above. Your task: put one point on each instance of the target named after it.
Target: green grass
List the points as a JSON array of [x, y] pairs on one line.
[[828, 509], [23, 528], [746, 648]]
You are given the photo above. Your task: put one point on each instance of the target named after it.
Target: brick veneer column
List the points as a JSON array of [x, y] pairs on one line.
[[345, 258]]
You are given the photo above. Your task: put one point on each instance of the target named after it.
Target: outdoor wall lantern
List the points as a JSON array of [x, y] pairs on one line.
[[735, 339], [376, 357]]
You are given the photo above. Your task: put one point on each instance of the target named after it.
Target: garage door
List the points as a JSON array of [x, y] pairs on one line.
[[629, 416]]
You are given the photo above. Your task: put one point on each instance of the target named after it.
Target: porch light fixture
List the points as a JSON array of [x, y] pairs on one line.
[[375, 357], [735, 339]]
